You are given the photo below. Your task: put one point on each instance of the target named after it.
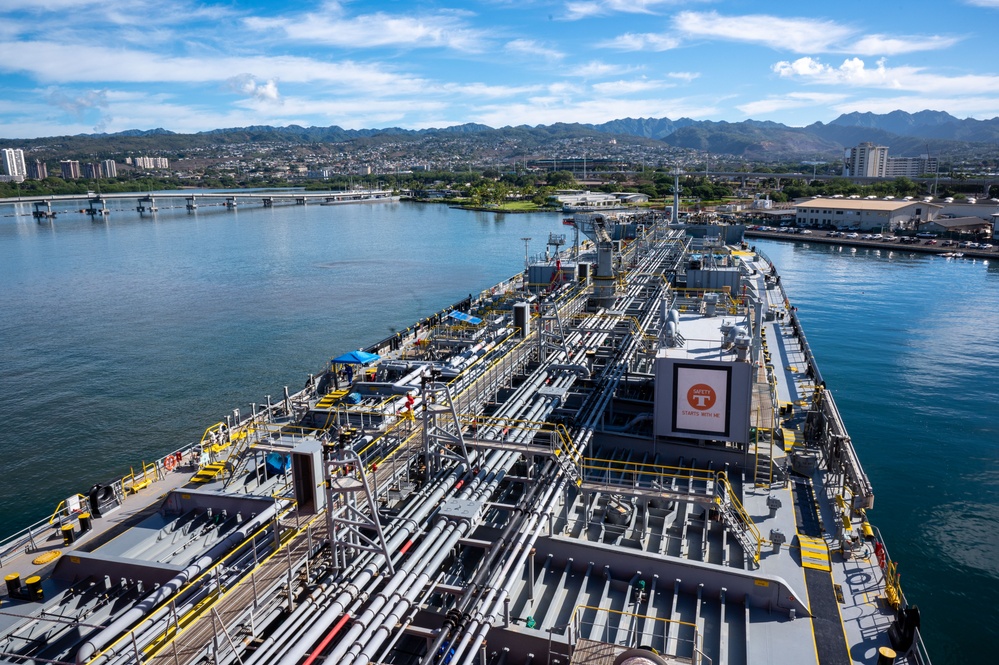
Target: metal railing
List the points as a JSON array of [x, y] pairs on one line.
[[32, 537], [756, 540]]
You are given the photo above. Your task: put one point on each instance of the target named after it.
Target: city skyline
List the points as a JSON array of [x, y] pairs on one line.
[[191, 67]]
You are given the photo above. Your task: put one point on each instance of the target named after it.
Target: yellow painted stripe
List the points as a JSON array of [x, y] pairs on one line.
[[816, 566], [811, 542], [814, 556]]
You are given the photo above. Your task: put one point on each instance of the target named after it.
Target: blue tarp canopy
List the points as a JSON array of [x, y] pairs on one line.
[[467, 318], [357, 358], [277, 463]]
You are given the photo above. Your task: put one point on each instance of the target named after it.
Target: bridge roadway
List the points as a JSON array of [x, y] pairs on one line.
[[147, 201]]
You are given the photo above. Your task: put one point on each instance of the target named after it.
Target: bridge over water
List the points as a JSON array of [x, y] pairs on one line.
[[97, 203]]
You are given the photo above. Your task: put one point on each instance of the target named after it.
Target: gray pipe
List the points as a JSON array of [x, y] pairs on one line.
[[402, 601], [157, 597], [356, 585]]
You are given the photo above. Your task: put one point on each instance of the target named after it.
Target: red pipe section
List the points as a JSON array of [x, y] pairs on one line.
[[326, 640]]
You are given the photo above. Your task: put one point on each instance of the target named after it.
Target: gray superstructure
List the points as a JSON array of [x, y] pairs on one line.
[[625, 454]]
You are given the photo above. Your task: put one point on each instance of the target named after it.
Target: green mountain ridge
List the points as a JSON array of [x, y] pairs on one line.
[[905, 134]]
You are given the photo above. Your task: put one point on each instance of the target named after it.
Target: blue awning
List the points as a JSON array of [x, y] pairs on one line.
[[467, 318], [357, 358]]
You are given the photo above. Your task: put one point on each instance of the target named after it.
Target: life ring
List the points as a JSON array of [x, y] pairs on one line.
[[170, 462]]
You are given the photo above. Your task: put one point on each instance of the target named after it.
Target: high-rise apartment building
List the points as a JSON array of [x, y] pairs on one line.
[[109, 169], [866, 160], [70, 169], [872, 161], [13, 163], [38, 170]]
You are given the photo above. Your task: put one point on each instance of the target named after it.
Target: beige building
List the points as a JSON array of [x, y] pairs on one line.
[[864, 214]]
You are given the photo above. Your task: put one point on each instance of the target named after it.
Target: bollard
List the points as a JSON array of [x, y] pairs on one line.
[[85, 523], [13, 585], [68, 535], [886, 656], [34, 585]]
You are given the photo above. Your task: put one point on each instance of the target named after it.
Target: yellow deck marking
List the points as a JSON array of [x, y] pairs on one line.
[[209, 472], [45, 558], [814, 553]]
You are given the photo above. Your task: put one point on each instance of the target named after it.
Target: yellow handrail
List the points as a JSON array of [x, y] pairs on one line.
[[684, 473], [743, 516], [55, 513], [164, 638]]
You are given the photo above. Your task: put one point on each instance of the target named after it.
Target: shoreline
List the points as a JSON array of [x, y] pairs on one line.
[[876, 244]]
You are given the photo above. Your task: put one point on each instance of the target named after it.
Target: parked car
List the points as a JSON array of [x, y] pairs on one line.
[[852, 236], [985, 245], [930, 242]]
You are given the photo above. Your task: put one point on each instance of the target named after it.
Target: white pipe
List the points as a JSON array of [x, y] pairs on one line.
[[159, 596]]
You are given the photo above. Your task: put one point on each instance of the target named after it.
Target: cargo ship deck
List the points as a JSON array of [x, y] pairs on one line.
[[627, 452]]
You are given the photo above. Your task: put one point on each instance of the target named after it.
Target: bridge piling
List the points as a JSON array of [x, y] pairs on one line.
[[94, 211], [41, 214], [141, 208]]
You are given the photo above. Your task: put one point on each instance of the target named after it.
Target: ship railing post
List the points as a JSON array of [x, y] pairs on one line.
[[135, 647], [176, 629]]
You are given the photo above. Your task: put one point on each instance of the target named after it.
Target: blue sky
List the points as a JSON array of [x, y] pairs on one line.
[[80, 66]]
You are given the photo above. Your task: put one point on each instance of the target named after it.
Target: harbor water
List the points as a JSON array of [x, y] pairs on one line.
[[125, 338]]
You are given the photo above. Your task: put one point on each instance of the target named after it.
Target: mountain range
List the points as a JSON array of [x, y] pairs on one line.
[[906, 134]]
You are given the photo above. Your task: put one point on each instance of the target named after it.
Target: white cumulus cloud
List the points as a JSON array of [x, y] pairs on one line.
[[641, 42], [855, 72], [247, 85]]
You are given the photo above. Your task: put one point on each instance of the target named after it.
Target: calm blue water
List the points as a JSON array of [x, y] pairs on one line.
[[123, 340]]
